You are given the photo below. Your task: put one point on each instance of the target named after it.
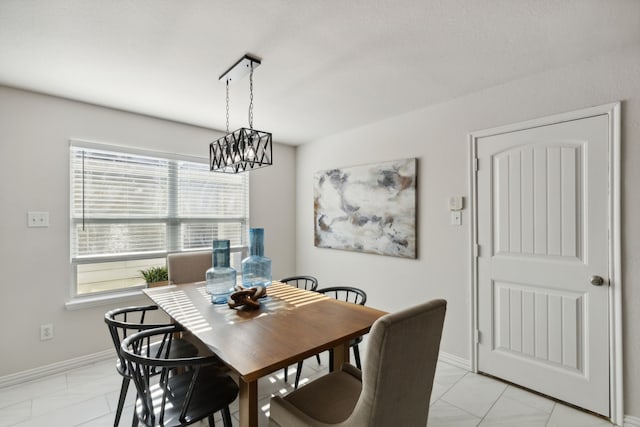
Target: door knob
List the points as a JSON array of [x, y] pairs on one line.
[[597, 280]]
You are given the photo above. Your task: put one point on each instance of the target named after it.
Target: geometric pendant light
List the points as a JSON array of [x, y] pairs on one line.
[[246, 148]]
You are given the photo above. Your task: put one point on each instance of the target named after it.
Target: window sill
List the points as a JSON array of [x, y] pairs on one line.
[[82, 302]]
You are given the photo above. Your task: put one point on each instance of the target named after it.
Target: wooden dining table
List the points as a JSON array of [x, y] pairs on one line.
[[290, 325]]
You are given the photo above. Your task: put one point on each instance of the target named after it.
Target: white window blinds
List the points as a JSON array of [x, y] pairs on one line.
[[137, 205]]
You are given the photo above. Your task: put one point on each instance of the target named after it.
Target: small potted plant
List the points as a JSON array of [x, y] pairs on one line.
[[155, 276]]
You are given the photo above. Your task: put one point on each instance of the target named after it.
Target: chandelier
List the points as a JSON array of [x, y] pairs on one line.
[[246, 148]]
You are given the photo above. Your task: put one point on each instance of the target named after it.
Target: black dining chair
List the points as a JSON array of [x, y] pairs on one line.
[[308, 283], [348, 294], [123, 322], [173, 391]]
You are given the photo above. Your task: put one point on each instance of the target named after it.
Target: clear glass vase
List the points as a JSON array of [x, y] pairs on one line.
[[256, 268], [221, 278]]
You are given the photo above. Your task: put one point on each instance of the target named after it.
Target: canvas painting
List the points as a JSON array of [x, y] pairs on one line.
[[369, 208]]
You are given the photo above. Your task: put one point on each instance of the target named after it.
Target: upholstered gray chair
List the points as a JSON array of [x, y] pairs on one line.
[[188, 267], [393, 388]]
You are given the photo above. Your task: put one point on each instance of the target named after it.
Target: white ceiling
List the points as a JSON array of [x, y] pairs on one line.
[[327, 65]]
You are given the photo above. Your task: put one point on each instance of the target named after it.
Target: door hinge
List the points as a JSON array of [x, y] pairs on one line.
[[476, 250], [476, 164], [477, 336]]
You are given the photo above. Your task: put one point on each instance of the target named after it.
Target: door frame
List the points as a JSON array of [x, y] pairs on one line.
[[612, 111]]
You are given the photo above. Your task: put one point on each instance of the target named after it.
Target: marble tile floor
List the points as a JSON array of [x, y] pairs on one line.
[[87, 396]]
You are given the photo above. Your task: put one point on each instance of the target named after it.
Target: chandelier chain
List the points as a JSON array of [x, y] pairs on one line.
[[227, 105], [251, 98]]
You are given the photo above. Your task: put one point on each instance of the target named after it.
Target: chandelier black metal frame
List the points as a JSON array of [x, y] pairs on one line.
[[244, 149]]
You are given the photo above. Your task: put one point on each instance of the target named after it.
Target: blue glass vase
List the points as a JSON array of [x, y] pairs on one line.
[[221, 278], [256, 268]]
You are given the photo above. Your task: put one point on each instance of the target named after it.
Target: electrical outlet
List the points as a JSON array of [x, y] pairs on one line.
[[46, 332], [37, 219]]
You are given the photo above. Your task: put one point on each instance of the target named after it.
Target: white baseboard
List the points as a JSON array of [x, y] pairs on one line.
[[630, 421], [54, 368], [455, 361]]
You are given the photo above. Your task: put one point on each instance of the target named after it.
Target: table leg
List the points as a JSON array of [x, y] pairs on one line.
[[340, 356], [248, 402]]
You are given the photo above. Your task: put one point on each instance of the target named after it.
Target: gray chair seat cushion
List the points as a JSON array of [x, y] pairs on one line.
[[329, 399]]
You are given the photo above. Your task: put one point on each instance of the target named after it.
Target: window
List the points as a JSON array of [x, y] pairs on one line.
[[130, 208]]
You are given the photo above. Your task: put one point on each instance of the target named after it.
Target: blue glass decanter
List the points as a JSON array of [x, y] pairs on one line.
[[221, 278], [256, 268]]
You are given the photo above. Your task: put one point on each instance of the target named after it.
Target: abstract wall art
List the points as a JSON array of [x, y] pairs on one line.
[[368, 208]]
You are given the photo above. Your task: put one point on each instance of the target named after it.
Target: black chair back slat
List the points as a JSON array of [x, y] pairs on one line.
[[309, 283], [345, 293]]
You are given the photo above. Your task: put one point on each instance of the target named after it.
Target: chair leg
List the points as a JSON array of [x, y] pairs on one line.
[[123, 396], [318, 359], [226, 417], [331, 360], [212, 422], [285, 373], [135, 421], [356, 354], [298, 372]]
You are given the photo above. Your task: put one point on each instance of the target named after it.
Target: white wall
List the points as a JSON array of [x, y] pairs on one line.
[[438, 137], [34, 262], [273, 208]]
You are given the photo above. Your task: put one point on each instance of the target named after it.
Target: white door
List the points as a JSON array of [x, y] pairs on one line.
[[542, 206]]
